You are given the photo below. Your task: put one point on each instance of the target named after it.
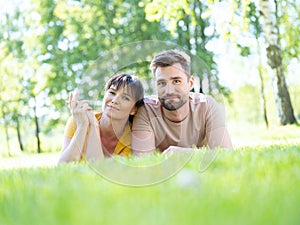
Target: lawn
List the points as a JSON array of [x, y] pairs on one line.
[[256, 184]]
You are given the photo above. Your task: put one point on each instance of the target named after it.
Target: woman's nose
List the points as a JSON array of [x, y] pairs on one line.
[[115, 99]]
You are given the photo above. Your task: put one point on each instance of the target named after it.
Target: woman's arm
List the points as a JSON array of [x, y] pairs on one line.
[[94, 149], [72, 148]]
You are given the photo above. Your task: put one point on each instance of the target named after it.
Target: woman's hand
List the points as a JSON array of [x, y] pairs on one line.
[[92, 119], [79, 109]]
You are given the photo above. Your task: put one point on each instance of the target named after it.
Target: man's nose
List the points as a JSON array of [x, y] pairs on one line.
[[169, 88]]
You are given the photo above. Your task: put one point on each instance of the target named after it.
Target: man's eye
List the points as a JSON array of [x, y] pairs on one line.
[[161, 83], [177, 81]]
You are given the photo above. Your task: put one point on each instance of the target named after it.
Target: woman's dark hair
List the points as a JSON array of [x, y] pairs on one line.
[[131, 82]]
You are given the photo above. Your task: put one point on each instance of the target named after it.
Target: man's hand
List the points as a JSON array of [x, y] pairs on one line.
[[176, 149]]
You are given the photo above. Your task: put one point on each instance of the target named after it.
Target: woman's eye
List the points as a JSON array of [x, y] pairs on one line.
[[111, 92], [126, 98]]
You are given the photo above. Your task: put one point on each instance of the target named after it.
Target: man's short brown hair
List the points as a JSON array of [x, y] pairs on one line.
[[170, 57]]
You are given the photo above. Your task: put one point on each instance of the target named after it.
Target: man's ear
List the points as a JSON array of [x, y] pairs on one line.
[[133, 111], [191, 82]]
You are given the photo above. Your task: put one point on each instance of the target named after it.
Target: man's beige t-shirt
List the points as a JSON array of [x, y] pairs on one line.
[[205, 116]]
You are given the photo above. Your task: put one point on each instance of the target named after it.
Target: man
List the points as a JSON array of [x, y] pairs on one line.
[[180, 118]]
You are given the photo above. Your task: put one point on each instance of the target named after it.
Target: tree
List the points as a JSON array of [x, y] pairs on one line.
[[9, 98], [255, 29], [21, 67], [268, 28], [192, 28], [10, 94], [75, 34], [269, 15]]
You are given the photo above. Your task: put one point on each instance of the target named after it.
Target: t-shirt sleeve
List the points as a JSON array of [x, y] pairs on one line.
[[215, 117], [217, 134], [141, 120], [70, 127]]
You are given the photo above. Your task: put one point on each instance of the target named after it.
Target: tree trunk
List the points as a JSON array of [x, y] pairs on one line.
[[263, 99], [7, 139], [37, 129], [19, 134], [262, 87], [268, 11], [37, 134], [6, 132]]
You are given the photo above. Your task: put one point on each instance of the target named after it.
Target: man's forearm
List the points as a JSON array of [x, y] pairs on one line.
[[142, 143]]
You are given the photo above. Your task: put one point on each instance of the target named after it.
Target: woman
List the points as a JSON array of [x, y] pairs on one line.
[[94, 135]]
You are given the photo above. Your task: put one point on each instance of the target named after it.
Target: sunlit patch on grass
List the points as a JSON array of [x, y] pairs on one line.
[[29, 160]]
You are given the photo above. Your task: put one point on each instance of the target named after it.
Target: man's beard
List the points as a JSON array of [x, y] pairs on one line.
[[171, 104]]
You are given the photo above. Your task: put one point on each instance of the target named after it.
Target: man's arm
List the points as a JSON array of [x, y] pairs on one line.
[[219, 138], [142, 142], [217, 134], [142, 136]]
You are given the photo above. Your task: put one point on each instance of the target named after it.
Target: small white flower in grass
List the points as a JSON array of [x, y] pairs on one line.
[[188, 178]]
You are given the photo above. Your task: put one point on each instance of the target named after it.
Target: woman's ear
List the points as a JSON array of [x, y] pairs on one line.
[[133, 111]]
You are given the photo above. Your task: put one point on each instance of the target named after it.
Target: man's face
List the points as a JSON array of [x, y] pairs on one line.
[[172, 86]]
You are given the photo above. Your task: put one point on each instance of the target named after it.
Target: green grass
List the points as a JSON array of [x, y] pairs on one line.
[[250, 185], [258, 135]]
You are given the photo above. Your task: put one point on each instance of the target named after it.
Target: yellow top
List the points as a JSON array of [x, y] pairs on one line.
[[122, 148]]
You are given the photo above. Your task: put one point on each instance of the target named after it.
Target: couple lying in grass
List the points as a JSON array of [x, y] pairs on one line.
[[130, 124]]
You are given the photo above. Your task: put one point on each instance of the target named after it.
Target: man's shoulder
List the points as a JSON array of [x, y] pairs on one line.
[[198, 98], [151, 101], [151, 106], [195, 98]]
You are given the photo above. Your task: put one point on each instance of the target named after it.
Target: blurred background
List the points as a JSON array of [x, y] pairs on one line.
[[243, 50]]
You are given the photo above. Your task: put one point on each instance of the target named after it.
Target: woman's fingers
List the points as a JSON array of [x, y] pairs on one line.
[[92, 119], [75, 104], [82, 103], [81, 107], [73, 99], [76, 95]]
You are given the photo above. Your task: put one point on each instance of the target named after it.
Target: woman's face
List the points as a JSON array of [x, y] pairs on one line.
[[118, 104]]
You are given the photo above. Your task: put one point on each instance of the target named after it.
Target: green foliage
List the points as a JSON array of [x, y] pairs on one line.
[[79, 33], [190, 22], [56, 41], [244, 186], [245, 106], [48, 47], [289, 21], [295, 98]]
